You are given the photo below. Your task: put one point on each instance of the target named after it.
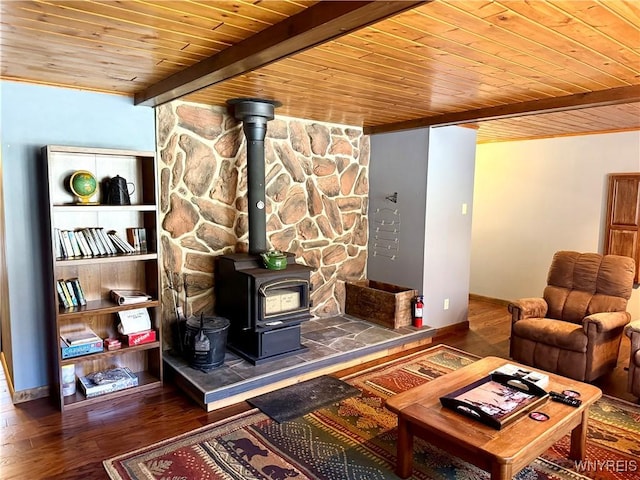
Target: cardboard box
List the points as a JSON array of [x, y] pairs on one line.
[[70, 351], [139, 338]]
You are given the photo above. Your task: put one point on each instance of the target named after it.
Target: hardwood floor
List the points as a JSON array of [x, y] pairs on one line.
[[38, 442]]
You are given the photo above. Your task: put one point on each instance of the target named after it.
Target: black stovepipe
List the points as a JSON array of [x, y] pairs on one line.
[[255, 113]]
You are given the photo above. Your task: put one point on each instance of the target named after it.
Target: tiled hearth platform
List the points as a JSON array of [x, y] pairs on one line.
[[332, 343]]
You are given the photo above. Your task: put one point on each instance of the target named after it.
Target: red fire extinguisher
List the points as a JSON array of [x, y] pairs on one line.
[[417, 311]]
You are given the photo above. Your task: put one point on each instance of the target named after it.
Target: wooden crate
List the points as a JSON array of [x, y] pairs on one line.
[[378, 302]]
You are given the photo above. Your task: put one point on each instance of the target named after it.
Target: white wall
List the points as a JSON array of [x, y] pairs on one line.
[[535, 197], [432, 171], [450, 177]]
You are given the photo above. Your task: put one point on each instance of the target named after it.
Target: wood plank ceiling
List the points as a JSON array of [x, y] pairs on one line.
[[575, 61]]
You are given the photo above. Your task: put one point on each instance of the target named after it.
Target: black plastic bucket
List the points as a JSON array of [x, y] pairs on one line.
[[205, 341]]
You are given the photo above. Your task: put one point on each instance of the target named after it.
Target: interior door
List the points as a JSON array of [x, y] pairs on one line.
[[623, 217]]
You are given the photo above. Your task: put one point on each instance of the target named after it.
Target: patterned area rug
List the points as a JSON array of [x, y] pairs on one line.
[[355, 439]]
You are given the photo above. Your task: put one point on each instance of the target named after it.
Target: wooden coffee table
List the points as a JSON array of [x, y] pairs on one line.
[[503, 452]]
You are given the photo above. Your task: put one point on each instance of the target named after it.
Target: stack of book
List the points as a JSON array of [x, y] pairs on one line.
[[89, 242], [70, 293], [107, 381], [75, 342]]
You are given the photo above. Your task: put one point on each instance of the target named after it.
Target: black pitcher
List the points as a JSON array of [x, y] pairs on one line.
[[117, 191]]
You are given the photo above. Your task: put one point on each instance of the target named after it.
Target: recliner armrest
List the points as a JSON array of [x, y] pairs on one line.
[[633, 332], [528, 308], [606, 321], [632, 329]]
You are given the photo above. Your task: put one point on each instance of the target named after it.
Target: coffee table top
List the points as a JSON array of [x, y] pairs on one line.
[[421, 407]]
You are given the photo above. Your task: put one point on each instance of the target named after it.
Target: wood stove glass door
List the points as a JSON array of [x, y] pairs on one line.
[[283, 297]]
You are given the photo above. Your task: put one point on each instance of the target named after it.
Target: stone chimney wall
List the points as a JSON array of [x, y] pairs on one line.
[[316, 201]]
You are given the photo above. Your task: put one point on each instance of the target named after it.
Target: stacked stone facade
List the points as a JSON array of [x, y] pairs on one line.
[[316, 201]]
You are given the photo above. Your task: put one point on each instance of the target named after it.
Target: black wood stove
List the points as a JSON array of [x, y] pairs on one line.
[[265, 307]]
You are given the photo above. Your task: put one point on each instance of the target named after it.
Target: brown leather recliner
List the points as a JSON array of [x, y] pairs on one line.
[[633, 332], [575, 330]]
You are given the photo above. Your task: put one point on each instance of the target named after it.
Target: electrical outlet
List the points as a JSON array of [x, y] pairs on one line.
[[446, 304]]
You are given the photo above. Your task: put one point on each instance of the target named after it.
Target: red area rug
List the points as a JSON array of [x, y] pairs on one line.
[[355, 439]]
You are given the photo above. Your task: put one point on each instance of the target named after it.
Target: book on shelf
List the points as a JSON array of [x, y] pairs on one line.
[[70, 351], [104, 247], [107, 381], [62, 299], [76, 336], [77, 289], [142, 237], [63, 247], [77, 252], [82, 243], [95, 252], [98, 241], [122, 245], [138, 238], [128, 297], [74, 243], [57, 243], [63, 294], [67, 249], [132, 238], [70, 293], [111, 249], [89, 242]]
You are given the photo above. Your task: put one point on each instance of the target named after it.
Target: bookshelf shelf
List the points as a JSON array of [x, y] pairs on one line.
[[98, 274], [146, 381], [103, 208], [132, 257], [111, 353], [101, 307]]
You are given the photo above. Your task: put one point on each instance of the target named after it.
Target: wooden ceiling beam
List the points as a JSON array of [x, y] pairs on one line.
[[612, 96], [313, 26]]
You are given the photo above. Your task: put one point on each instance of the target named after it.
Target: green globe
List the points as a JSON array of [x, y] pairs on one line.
[[83, 184]]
